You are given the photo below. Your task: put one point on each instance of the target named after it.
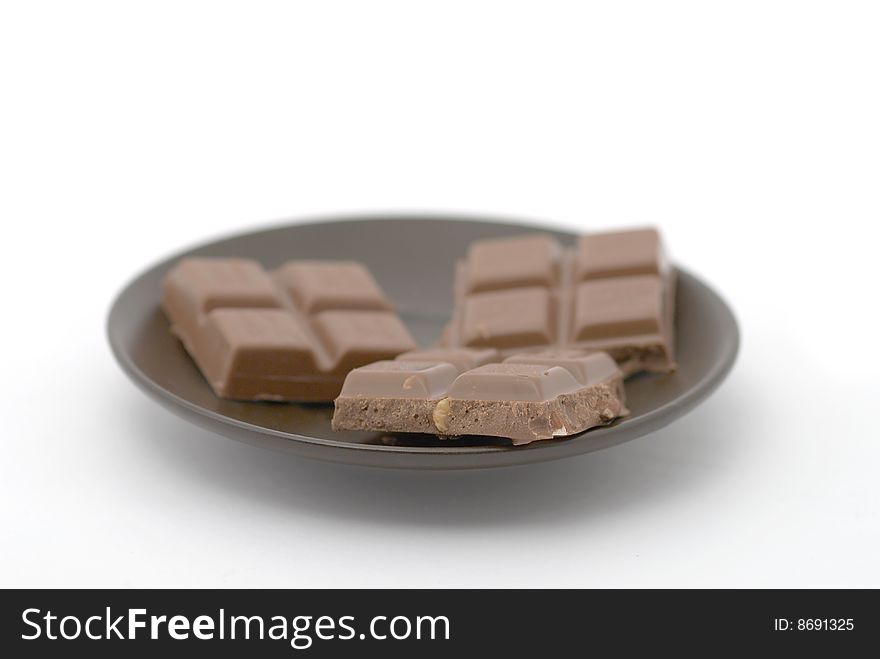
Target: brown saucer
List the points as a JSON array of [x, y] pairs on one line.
[[412, 257]]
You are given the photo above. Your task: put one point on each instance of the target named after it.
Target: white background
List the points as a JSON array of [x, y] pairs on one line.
[[748, 131]]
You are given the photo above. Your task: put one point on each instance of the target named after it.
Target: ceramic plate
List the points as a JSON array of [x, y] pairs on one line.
[[412, 257]]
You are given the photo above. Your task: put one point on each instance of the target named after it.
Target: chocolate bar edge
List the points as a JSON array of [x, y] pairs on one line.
[[522, 421]]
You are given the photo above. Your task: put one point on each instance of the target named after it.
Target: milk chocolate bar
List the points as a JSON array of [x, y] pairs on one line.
[[612, 292], [292, 334], [525, 397]]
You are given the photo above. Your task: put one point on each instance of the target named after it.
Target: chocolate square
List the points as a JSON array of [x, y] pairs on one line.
[[509, 319]]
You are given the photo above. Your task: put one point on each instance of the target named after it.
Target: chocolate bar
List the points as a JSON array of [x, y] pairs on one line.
[[613, 292], [292, 334], [525, 397]]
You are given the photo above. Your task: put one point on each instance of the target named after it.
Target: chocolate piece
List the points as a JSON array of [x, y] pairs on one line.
[[290, 335], [513, 263], [526, 397], [620, 254], [612, 292]]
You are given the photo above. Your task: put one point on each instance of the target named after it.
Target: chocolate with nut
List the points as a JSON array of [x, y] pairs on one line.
[[525, 397]]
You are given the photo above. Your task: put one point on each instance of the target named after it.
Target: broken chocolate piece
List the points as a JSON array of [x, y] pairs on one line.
[[526, 397], [613, 292], [291, 335]]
